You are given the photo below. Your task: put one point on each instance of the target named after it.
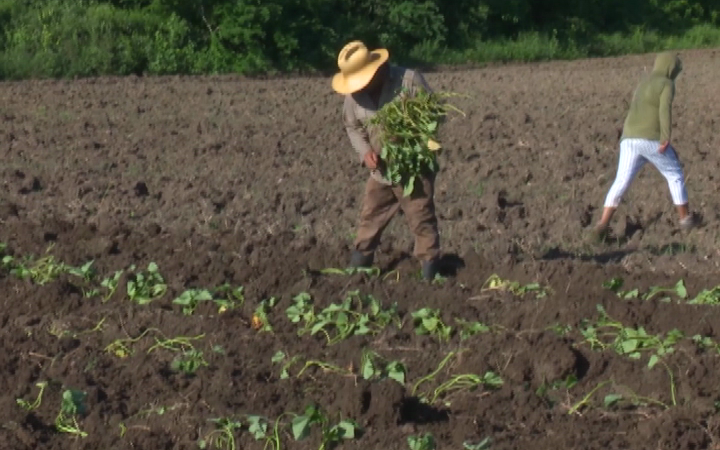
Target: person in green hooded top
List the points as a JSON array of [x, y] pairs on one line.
[[646, 137]]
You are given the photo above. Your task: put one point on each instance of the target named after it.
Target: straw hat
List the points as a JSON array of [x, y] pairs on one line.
[[357, 67]]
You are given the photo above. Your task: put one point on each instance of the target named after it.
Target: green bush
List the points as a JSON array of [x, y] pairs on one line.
[[77, 38]]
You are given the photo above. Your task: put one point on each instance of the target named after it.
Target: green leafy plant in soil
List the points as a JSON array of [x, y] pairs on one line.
[[710, 297], [706, 343], [225, 298], [147, 286], [409, 126], [111, 284], [87, 275], [331, 434], [258, 427], [72, 406], [287, 362], [301, 425], [38, 400], [370, 271], [546, 389], [613, 398], [40, 271], [373, 366], [427, 321], [356, 315], [190, 299], [615, 285], [462, 382], [188, 362], [421, 442], [223, 436], [260, 318], [467, 329], [628, 341]]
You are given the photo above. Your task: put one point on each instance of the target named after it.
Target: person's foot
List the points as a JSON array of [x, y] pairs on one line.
[[599, 233], [430, 269], [358, 259], [688, 222]]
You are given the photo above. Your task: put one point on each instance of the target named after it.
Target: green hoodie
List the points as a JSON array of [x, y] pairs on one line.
[[650, 115]]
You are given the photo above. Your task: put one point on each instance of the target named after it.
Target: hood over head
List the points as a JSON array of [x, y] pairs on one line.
[[668, 64]]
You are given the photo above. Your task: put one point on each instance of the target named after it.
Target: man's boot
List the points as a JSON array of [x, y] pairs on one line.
[[430, 269], [357, 259]]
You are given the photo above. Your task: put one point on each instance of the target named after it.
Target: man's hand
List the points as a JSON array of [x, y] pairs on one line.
[[663, 146], [371, 160]]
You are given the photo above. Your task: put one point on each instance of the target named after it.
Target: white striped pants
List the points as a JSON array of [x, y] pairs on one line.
[[634, 153]]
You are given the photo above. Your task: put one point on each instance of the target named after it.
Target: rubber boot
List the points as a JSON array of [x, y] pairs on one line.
[[430, 269], [357, 259]]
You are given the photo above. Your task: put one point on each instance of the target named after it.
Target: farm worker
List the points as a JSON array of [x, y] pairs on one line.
[[646, 137], [368, 81]]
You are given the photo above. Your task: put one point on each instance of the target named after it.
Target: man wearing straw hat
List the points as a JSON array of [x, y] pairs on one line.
[[369, 81]]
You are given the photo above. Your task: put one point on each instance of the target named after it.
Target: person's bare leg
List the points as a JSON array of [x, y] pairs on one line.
[[602, 226], [683, 211], [607, 215]]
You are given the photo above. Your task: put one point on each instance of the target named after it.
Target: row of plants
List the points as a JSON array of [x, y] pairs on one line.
[[356, 314]]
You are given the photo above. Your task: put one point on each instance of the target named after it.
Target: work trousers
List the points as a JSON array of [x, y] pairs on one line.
[[381, 202], [634, 153]]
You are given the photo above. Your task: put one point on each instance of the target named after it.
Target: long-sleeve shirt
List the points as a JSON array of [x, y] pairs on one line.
[[359, 108], [650, 115]]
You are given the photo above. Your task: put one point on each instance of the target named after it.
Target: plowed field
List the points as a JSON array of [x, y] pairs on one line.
[[225, 183]]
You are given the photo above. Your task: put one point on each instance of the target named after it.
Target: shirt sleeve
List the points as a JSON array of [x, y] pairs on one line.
[[417, 84], [356, 131], [666, 99]]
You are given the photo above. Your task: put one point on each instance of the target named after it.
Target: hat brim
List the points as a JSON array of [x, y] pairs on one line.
[[349, 84]]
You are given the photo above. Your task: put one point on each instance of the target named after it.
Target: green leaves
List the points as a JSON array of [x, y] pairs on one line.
[[356, 315], [427, 321], [421, 442], [189, 362], [72, 406], [301, 309], [409, 124], [225, 298], [482, 445], [189, 299], [373, 366], [301, 424], [331, 435], [258, 427], [468, 329], [146, 286], [629, 341]]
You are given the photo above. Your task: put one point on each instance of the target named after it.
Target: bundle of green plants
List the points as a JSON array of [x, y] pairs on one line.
[[409, 126]]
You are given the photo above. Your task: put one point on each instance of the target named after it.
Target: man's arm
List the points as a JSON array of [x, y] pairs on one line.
[[419, 82], [415, 82], [355, 130], [666, 99]]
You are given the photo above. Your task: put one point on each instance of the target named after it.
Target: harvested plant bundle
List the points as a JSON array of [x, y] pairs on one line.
[[409, 126]]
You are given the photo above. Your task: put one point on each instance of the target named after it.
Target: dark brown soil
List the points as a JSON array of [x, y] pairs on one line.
[[253, 183]]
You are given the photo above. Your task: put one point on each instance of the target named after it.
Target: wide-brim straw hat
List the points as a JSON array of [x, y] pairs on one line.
[[357, 67]]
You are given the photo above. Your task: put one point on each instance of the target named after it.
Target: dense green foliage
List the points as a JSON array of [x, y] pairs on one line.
[[41, 38]]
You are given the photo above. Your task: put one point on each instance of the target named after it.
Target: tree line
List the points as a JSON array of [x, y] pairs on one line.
[[67, 38]]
